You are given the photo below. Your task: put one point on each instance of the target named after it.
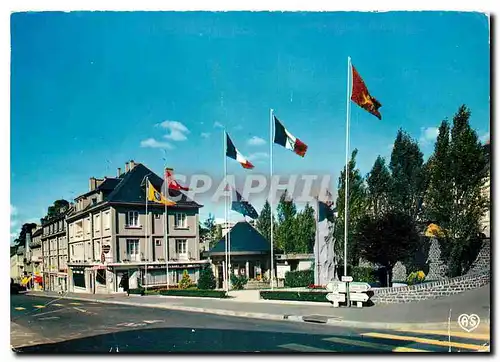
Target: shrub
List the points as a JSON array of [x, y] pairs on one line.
[[194, 293], [185, 281], [298, 296], [299, 278], [238, 282], [139, 290], [363, 274], [416, 277], [207, 279]]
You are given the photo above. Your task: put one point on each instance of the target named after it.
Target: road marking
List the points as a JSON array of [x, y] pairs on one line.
[[47, 318], [302, 348], [381, 346], [75, 303], [49, 312], [58, 305], [153, 321], [80, 310], [39, 306], [19, 308], [444, 334], [424, 340]]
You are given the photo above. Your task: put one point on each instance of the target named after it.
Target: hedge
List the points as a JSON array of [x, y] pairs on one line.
[[299, 278], [298, 296], [137, 291], [194, 293]]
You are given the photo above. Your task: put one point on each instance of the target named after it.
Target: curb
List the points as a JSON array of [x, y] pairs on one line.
[[337, 322], [223, 312]]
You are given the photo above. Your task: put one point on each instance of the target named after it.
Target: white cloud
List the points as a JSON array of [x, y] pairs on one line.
[[177, 131], [13, 223], [485, 137], [258, 156], [205, 134], [218, 125], [151, 142], [428, 134], [13, 210], [256, 141]]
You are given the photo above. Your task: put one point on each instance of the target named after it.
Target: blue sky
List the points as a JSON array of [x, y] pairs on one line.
[[90, 91]]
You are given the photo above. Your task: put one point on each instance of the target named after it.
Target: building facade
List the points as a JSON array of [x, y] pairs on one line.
[[112, 239], [54, 252], [36, 259]]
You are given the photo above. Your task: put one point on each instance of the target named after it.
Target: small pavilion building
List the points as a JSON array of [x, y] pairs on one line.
[[250, 255]]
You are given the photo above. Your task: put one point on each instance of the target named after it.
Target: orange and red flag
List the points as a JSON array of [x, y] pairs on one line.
[[362, 97]]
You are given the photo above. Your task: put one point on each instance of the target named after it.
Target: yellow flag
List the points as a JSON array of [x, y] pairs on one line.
[[156, 196]]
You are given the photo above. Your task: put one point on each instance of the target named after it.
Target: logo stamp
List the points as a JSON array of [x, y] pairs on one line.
[[468, 322]]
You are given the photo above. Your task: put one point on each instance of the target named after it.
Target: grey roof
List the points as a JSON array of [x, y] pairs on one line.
[[132, 190], [129, 188], [244, 239]]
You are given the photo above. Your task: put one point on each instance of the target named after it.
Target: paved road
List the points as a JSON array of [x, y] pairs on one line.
[[59, 325]]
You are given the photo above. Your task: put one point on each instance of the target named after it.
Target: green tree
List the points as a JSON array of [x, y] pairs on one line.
[[408, 177], [263, 224], [207, 279], [56, 209], [25, 229], [285, 233], [454, 199], [378, 187], [305, 230], [185, 282], [218, 236], [385, 239], [208, 229], [357, 209]]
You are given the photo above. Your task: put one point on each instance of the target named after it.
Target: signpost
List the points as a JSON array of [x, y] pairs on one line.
[[355, 292], [335, 298]]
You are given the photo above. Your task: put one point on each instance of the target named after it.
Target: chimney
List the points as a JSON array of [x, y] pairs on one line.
[[119, 171], [92, 184], [126, 167], [132, 164]]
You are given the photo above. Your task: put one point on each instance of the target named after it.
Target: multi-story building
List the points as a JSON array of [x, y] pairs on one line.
[[55, 252], [17, 263], [112, 239], [36, 259]]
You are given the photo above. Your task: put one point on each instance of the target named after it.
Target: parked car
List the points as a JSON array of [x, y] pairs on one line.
[[15, 288]]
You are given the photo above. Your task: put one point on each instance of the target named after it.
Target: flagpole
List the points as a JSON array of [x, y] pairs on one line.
[[229, 199], [317, 239], [165, 221], [346, 204], [146, 237], [271, 192], [225, 273]]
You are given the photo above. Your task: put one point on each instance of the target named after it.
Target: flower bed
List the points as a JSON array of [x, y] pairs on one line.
[[319, 297], [313, 286]]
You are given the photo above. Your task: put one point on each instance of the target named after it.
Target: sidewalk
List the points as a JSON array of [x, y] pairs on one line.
[[430, 314]]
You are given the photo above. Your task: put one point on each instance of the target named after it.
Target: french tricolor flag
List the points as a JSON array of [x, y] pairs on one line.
[[232, 152], [286, 139]]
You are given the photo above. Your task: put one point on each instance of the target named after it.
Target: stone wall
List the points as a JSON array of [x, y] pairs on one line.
[[483, 260], [432, 290]]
